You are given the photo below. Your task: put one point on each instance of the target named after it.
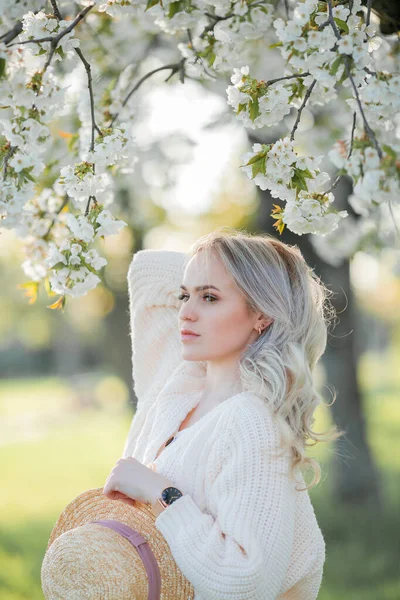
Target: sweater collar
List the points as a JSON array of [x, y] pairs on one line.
[[179, 395]]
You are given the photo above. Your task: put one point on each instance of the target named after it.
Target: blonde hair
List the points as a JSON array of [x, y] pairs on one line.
[[278, 366]]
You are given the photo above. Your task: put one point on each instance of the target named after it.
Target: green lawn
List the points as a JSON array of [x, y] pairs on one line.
[[58, 451]]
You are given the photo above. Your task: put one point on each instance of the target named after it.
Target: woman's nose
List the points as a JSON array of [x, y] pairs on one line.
[[188, 311]]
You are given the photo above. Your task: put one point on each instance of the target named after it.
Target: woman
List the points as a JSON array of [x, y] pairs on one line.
[[224, 412]]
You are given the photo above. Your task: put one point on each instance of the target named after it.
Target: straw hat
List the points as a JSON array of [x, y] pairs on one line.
[[92, 560]]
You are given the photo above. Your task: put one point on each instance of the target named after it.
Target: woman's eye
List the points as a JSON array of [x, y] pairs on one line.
[[183, 296]]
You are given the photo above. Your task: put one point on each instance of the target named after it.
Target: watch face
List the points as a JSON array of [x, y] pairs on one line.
[[170, 494]]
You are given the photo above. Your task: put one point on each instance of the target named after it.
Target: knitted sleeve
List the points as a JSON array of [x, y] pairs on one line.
[[154, 278], [241, 551]]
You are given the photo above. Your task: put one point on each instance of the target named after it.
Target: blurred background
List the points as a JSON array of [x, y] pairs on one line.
[[66, 398]]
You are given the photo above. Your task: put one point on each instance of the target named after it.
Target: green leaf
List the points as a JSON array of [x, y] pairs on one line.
[[389, 151], [72, 142], [240, 108], [2, 67], [335, 65], [276, 45], [26, 174], [151, 3], [305, 173], [174, 7], [342, 24], [60, 51], [298, 181], [255, 158], [258, 167], [254, 109]]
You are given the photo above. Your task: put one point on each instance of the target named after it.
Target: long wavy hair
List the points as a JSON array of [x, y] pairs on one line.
[[279, 365]]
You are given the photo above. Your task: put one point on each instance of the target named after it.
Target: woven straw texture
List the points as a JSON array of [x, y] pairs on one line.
[[88, 561]]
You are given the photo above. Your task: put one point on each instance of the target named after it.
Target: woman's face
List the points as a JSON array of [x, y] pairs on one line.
[[218, 314]]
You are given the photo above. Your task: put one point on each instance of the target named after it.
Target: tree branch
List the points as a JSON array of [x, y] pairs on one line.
[[305, 100], [64, 203], [369, 6], [8, 37], [367, 127], [352, 135], [54, 39], [339, 177], [175, 67], [271, 81], [88, 70], [89, 78], [57, 13]]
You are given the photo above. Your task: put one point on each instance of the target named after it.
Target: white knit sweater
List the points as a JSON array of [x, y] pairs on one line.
[[240, 531]]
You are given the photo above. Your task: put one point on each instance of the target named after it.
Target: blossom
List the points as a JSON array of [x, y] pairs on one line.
[[257, 104], [80, 181], [73, 282], [108, 225], [309, 213], [80, 227]]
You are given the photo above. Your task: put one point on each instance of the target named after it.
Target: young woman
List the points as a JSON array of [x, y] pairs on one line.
[[225, 340]]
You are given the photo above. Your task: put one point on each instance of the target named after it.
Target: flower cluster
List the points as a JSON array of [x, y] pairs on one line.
[[50, 233], [226, 45], [324, 45], [80, 181], [376, 180], [40, 25], [114, 149], [380, 97], [70, 263], [73, 264], [116, 8], [298, 180], [257, 103], [309, 44]]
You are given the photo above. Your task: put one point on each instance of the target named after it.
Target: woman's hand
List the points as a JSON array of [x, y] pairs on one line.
[[130, 480]]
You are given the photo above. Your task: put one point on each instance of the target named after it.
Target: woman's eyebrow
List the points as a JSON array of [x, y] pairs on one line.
[[202, 287]]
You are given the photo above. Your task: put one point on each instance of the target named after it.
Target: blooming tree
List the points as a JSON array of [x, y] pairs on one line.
[[330, 54]]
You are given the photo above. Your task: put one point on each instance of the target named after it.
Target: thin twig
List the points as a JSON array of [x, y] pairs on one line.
[[305, 100], [339, 177], [88, 204], [56, 10], [88, 70], [287, 8], [323, 25], [198, 57], [64, 203], [89, 78], [369, 6], [174, 67], [367, 127], [8, 37], [271, 81], [352, 135], [54, 39]]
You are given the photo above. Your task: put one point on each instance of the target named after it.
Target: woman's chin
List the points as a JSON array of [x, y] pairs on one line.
[[189, 354]]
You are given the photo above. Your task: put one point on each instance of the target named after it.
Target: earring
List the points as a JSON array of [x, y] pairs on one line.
[[260, 329]]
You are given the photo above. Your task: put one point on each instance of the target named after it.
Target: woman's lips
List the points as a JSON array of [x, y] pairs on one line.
[[188, 336]]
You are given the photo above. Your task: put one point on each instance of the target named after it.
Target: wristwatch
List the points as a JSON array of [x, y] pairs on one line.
[[168, 496]]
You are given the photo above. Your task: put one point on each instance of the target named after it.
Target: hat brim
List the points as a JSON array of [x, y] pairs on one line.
[[93, 505]]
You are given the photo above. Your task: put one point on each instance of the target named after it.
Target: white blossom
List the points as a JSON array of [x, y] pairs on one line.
[[108, 225]]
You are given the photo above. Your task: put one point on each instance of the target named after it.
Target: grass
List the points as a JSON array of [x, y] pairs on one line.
[[75, 450]]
